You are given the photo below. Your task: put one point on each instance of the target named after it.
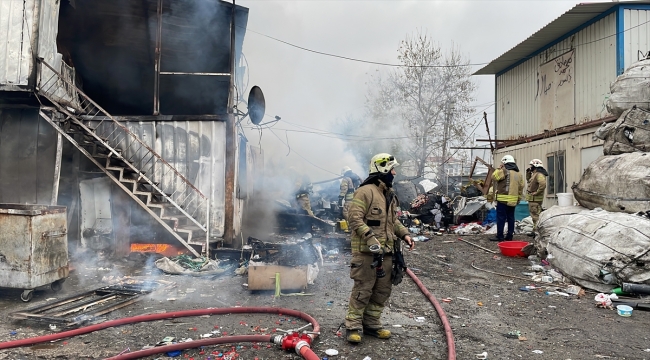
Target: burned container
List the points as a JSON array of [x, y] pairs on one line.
[[34, 249]]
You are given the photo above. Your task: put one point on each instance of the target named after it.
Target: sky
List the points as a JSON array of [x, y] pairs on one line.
[[311, 91]]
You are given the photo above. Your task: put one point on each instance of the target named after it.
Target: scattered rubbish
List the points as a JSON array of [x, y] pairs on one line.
[[331, 352], [50, 299], [462, 298], [421, 238], [167, 340], [397, 325], [447, 300], [207, 335], [547, 279], [522, 338], [367, 358], [171, 299], [605, 300], [175, 353], [478, 246], [538, 351], [552, 306], [640, 289], [13, 333], [479, 303], [513, 334], [573, 289], [624, 310], [482, 356], [420, 319], [557, 293], [527, 288], [52, 327], [187, 265]]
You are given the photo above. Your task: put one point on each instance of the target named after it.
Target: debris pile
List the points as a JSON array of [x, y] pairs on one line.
[[186, 265]]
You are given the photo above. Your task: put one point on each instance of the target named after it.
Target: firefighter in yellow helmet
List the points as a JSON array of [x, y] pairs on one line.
[[536, 177], [509, 187], [376, 235], [349, 184]]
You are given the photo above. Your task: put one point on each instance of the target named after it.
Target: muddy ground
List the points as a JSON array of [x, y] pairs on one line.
[[484, 307]]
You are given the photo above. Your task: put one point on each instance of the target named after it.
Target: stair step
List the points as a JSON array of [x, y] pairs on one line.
[[190, 228]]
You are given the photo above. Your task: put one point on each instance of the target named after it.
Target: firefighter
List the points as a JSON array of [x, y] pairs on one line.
[[536, 177], [509, 187], [302, 187], [376, 232], [349, 184]]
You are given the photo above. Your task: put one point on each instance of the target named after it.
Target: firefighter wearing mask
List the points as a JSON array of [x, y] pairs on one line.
[[376, 234], [509, 188], [349, 184], [536, 177]]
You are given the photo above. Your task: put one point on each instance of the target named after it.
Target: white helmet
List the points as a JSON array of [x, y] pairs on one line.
[[382, 163], [537, 163], [345, 169], [507, 159]]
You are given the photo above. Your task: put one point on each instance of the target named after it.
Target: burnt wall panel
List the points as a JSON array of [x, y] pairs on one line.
[[112, 44], [27, 154]]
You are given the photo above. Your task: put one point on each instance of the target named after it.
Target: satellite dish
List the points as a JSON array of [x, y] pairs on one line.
[[256, 105]]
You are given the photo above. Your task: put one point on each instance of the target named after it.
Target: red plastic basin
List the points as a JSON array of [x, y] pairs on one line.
[[512, 248]]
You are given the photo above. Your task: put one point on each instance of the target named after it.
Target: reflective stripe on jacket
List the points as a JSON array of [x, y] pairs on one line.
[[536, 187], [347, 189], [509, 186], [368, 216]]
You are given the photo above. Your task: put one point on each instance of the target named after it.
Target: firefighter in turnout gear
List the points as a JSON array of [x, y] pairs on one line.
[[302, 187], [376, 235], [349, 184], [509, 188], [536, 177]]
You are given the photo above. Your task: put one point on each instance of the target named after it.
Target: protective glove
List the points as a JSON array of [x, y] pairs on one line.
[[374, 245]]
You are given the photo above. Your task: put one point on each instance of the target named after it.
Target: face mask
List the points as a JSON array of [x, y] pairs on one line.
[[387, 178]]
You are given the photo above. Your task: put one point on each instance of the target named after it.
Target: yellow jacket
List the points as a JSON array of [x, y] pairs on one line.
[[509, 185]]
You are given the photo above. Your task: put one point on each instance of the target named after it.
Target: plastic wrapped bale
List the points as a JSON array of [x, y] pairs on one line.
[[630, 133], [617, 183], [600, 250], [630, 88], [550, 221]]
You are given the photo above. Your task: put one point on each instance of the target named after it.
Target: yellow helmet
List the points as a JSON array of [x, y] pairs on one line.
[[382, 163]]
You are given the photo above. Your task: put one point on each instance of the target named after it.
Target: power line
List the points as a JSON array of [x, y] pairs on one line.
[[429, 66], [302, 157]]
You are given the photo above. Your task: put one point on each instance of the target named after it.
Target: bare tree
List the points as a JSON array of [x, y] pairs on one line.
[[423, 106], [434, 92]]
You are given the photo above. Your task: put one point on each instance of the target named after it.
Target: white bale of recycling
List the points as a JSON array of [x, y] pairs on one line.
[[630, 133], [630, 88], [617, 183], [593, 240], [549, 223]]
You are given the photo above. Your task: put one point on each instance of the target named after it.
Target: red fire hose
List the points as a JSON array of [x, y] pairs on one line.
[[305, 351], [451, 346]]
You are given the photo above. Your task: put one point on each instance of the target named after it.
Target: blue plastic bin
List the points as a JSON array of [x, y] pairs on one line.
[[521, 211]]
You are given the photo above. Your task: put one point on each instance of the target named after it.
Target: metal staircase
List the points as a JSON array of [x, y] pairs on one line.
[[152, 182]]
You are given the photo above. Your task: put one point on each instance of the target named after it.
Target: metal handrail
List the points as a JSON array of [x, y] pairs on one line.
[[112, 133]]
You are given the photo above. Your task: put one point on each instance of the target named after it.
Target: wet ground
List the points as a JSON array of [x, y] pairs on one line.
[[482, 309]]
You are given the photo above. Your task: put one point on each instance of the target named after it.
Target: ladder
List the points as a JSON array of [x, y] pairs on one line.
[[159, 188]]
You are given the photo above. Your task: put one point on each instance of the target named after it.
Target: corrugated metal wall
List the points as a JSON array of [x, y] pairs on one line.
[[197, 149], [15, 54], [570, 143], [27, 154], [22, 22], [637, 35], [595, 69]]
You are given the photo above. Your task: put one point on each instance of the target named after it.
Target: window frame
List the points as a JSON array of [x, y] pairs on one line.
[[556, 180]]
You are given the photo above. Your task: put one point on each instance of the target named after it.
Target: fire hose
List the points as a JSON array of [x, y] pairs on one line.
[[301, 343], [293, 340], [451, 346]]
